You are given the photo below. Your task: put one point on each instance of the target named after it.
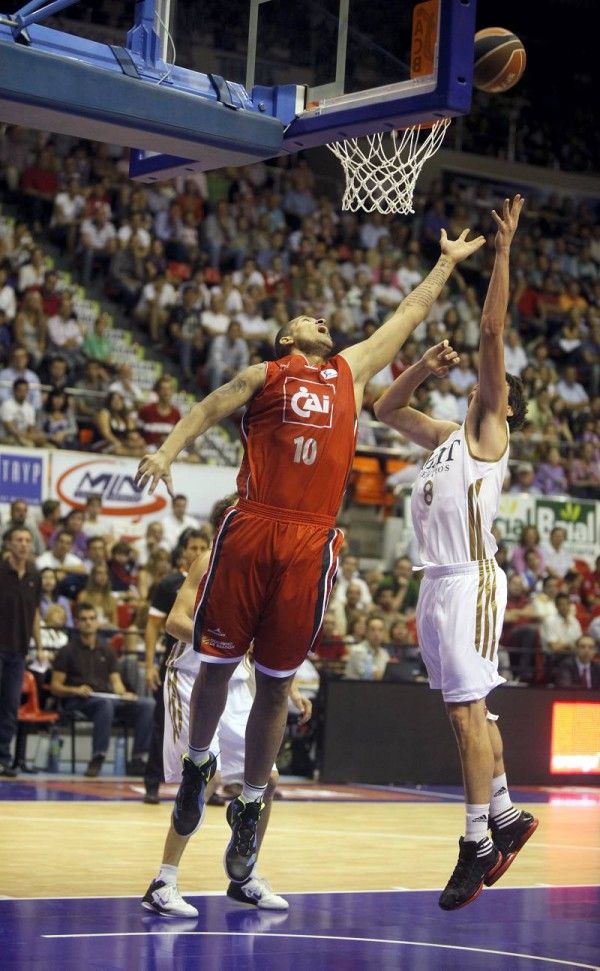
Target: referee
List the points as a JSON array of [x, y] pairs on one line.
[[163, 598], [20, 591]]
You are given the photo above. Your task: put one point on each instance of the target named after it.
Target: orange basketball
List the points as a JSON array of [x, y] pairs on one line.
[[499, 60]]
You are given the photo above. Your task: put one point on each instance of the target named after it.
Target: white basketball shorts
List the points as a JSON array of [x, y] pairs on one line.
[[459, 620], [228, 742]]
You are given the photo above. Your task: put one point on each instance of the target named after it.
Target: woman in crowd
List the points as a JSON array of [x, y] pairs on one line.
[[50, 597], [58, 423], [97, 592], [113, 424], [357, 627], [529, 541], [30, 326], [156, 567], [551, 478], [585, 473]]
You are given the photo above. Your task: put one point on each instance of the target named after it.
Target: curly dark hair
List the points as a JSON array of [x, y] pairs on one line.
[[517, 400], [218, 510]]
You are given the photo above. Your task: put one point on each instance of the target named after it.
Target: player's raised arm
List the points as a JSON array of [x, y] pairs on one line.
[[491, 403], [368, 357], [393, 407], [179, 622], [488, 417], [216, 406]]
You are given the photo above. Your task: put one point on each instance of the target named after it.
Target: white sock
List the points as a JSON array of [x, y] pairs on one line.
[[476, 826], [252, 793], [168, 874], [502, 810], [198, 755]]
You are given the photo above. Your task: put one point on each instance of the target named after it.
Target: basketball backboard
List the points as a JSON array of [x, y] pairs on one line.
[[198, 84]]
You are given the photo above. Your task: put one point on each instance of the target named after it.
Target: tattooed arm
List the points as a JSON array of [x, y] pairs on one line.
[[218, 405], [370, 356]]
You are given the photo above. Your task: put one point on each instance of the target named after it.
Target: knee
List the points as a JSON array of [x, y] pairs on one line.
[[274, 691], [214, 675]]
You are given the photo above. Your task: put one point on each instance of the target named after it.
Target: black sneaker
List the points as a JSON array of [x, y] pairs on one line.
[[509, 840], [94, 767], [152, 797], [466, 883], [189, 808], [240, 855]]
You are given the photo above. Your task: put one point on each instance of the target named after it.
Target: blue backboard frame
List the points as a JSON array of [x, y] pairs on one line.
[[176, 119]]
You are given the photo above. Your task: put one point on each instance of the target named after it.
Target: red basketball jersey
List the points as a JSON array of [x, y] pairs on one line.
[[299, 435]]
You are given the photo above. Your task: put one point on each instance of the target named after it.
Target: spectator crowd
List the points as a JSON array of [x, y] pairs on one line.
[[203, 270]]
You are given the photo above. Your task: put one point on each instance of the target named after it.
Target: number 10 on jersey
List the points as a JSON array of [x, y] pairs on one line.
[[305, 451]]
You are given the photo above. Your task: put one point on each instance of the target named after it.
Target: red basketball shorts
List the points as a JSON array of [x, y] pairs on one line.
[[268, 582]]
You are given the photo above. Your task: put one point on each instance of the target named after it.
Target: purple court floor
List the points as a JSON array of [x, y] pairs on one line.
[[503, 930]]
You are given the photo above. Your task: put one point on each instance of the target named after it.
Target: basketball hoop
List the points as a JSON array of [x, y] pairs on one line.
[[382, 170]]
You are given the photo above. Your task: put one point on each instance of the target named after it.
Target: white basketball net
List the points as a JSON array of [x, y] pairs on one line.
[[381, 170]]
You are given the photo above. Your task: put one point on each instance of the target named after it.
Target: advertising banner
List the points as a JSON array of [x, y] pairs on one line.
[[23, 475], [580, 519], [76, 475]]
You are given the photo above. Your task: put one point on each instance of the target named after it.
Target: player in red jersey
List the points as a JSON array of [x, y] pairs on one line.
[[274, 558]]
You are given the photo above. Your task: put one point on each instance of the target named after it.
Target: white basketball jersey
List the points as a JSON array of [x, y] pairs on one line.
[[454, 503]]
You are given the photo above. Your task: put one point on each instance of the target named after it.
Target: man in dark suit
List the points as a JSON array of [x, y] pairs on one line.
[[19, 609], [579, 670]]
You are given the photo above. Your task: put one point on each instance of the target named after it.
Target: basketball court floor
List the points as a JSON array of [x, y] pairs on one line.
[[361, 867]]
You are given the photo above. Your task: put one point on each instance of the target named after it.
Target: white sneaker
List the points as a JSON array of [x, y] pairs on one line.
[[257, 891], [165, 899]]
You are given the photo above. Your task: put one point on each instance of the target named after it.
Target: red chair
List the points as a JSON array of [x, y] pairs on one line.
[[30, 716], [30, 712]]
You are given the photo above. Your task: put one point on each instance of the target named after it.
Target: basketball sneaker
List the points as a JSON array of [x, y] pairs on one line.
[[240, 855], [189, 808], [164, 899], [470, 873], [258, 892], [509, 840]]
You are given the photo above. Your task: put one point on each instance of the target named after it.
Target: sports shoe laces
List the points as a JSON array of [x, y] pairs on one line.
[[463, 868], [246, 822], [191, 778], [170, 895]]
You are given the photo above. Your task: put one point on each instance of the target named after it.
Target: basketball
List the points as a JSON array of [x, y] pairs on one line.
[[499, 60]]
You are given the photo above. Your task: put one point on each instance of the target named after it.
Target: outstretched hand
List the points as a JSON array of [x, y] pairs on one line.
[[459, 249], [152, 469], [440, 358], [302, 703], [508, 222]]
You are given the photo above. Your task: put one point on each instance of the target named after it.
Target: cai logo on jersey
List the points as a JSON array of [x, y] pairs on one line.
[[308, 403]]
